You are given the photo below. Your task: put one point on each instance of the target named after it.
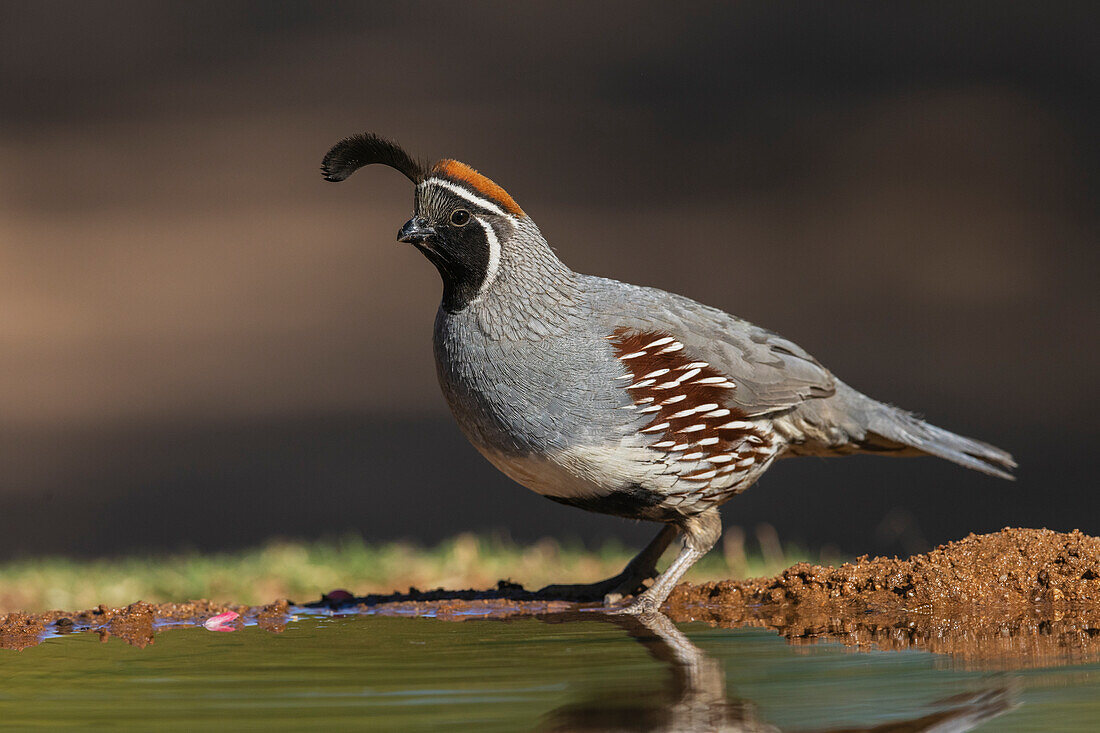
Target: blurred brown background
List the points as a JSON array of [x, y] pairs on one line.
[[203, 344]]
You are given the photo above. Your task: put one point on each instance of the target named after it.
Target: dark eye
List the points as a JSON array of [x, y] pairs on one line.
[[459, 217]]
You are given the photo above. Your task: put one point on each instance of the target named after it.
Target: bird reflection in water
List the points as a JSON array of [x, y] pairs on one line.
[[695, 699]]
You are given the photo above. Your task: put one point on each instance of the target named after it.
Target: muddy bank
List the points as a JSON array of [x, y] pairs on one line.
[[1018, 597], [136, 624], [1011, 568]]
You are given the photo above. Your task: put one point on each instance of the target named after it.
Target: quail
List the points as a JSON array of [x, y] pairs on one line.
[[616, 398]]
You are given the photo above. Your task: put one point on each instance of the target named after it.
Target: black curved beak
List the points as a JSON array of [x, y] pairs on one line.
[[415, 231]]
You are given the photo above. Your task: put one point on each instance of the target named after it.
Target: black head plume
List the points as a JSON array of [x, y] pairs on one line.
[[352, 153]]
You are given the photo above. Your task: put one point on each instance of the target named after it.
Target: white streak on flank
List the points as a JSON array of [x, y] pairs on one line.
[[679, 447], [494, 256], [664, 444], [628, 407], [656, 428], [634, 355], [659, 342], [651, 408], [693, 365], [463, 193], [726, 385], [628, 375], [708, 441], [704, 476], [643, 383], [692, 456], [688, 375], [643, 400], [736, 425], [718, 413], [693, 428], [674, 346], [674, 400], [744, 463], [706, 407], [657, 373], [668, 385], [709, 380], [723, 458], [682, 413]]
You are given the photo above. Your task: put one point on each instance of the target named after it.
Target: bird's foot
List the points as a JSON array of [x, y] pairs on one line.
[[641, 606]]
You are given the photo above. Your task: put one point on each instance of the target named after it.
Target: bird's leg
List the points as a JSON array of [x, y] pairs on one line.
[[637, 571], [701, 532]]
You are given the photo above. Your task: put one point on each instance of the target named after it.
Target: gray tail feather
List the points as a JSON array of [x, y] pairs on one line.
[[901, 427]]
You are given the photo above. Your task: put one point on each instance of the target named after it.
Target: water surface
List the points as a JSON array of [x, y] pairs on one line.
[[566, 672]]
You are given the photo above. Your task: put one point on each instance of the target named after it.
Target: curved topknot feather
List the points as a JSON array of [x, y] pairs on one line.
[[352, 153]]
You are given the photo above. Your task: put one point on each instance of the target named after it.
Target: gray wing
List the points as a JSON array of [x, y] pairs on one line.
[[771, 373]]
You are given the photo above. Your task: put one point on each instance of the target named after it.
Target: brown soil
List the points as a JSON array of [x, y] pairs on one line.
[[1018, 597], [1010, 568], [136, 624]]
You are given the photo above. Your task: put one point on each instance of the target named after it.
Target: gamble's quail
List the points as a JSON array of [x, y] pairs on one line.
[[617, 398]]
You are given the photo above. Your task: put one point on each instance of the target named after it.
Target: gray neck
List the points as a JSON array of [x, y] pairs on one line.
[[533, 294]]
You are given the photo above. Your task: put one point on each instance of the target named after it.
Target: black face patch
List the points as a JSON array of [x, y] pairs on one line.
[[460, 251]]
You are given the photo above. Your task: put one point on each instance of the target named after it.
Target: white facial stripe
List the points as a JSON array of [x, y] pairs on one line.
[[494, 255], [463, 193]]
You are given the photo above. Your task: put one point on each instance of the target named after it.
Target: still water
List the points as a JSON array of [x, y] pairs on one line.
[[555, 673]]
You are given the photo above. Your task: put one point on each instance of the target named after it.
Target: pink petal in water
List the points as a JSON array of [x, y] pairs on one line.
[[222, 622]]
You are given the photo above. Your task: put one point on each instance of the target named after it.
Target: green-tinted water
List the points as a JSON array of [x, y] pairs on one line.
[[371, 673]]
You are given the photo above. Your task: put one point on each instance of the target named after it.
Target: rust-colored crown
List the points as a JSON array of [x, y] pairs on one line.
[[463, 174]]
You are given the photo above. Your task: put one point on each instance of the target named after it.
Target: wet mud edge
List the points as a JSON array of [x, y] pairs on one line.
[[1018, 597]]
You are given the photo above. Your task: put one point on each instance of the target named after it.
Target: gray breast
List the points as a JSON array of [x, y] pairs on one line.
[[548, 411], [529, 395]]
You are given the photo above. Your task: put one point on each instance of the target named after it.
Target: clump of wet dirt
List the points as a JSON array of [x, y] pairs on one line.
[[134, 623], [20, 630]]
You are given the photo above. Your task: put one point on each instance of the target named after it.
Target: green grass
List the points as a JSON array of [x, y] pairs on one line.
[[303, 571]]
